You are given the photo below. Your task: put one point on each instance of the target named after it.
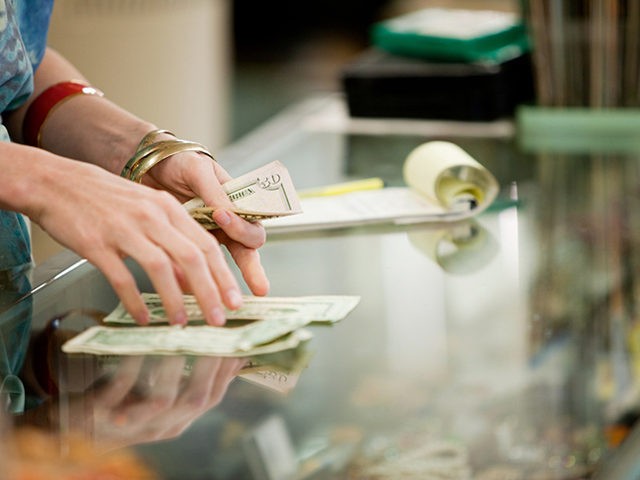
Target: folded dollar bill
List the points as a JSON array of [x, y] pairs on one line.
[[276, 366], [251, 339], [319, 308], [264, 193], [278, 371]]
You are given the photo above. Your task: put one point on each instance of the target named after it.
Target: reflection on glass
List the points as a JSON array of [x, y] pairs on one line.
[[584, 314], [95, 407], [127, 396], [119, 400], [460, 248], [27, 451], [15, 325]]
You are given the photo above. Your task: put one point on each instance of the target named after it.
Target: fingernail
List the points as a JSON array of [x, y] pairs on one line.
[[180, 318], [222, 217], [143, 318], [234, 298], [218, 316]]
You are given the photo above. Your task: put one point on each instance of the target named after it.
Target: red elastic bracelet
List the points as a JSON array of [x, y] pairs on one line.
[[48, 101]]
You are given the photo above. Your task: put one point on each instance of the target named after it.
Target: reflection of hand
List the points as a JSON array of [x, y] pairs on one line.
[[188, 174], [104, 218], [149, 399]]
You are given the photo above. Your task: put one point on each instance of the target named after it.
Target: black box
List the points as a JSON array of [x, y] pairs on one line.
[[378, 84]]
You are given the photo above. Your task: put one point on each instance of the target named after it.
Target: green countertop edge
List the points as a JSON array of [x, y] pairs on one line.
[[578, 130]]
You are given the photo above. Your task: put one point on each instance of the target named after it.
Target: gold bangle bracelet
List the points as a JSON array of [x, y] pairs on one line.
[[150, 137], [147, 140], [151, 160], [157, 154], [142, 153], [150, 152]]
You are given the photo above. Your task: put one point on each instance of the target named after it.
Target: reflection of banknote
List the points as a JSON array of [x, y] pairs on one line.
[[266, 192], [278, 371], [252, 338], [319, 308]]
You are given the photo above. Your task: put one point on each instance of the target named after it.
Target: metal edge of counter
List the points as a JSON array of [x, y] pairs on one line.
[[53, 268]]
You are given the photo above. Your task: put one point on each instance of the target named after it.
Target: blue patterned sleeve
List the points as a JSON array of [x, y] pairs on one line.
[[24, 25], [33, 19], [23, 40]]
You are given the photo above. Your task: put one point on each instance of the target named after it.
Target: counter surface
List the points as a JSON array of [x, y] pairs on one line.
[[502, 347]]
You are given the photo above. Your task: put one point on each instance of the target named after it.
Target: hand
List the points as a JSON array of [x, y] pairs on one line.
[[145, 398], [187, 175], [105, 218]]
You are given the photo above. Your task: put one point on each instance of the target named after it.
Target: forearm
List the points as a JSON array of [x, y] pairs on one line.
[[86, 127], [32, 178]]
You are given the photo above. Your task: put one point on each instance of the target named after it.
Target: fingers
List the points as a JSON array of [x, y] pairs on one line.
[[163, 387], [158, 265], [154, 398], [251, 235], [123, 283], [248, 261], [189, 174], [202, 177], [216, 274], [121, 383], [201, 382], [208, 382], [178, 244], [242, 239], [206, 181], [153, 228], [225, 375], [216, 196]]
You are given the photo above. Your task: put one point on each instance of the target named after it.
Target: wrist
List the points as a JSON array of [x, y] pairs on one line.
[[126, 143], [95, 130], [155, 147], [29, 185], [46, 103]]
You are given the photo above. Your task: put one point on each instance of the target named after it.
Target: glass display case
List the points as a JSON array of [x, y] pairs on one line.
[[501, 347]]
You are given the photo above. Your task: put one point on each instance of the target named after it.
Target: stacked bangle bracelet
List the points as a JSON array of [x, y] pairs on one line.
[[45, 103], [151, 151]]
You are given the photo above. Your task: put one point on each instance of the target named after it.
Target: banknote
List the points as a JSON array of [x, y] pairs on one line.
[[279, 372], [252, 338], [276, 366], [316, 308], [261, 194]]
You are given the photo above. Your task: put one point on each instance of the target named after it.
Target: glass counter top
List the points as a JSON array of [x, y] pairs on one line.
[[504, 347]]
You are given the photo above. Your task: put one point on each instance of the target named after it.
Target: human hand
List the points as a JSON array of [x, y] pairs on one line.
[[144, 399], [187, 175], [105, 218]]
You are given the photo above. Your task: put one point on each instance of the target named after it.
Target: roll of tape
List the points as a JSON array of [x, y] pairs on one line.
[[445, 173]]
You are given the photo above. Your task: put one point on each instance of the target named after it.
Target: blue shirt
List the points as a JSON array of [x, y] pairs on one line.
[[24, 25], [23, 34]]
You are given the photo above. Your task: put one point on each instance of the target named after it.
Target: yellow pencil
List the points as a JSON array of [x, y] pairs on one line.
[[374, 183]]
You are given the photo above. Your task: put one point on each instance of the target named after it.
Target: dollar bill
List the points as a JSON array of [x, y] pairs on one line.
[[250, 339], [276, 366], [279, 372], [318, 308], [261, 194]]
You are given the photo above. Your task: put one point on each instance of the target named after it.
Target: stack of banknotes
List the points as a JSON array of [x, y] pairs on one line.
[[263, 325]]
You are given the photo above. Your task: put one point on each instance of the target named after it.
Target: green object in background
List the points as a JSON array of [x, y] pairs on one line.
[[453, 35], [578, 130]]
